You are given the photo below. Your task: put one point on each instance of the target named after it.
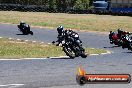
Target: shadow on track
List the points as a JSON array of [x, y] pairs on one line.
[[21, 34], [127, 52], [59, 57], [112, 47]]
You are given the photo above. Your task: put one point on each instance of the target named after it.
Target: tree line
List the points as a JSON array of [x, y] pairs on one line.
[[54, 4]]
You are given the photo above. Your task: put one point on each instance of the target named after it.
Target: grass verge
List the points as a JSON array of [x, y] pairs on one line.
[[22, 49], [87, 22]]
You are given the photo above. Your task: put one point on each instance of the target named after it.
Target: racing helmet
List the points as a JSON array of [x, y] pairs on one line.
[[70, 32], [60, 29], [22, 22], [119, 30]]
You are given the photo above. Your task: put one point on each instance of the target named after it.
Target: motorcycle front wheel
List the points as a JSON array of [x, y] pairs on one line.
[[69, 52], [83, 55]]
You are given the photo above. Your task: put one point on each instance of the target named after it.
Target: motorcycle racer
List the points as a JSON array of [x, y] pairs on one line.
[[68, 34], [23, 26]]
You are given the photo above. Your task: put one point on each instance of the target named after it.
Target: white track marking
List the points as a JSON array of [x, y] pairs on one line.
[[59, 57], [34, 41], [23, 59], [18, 39], [1, 37], [41, 42], [9, 38], [108, 52], [33, 58], [26, 40], [92, 48], [11, 85], [3, 85], [9, 59]]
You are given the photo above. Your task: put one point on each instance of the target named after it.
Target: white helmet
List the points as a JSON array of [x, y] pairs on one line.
[[22, 22]]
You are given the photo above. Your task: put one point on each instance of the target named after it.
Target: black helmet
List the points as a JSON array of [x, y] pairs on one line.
[[119, 30], [70, 32], [60, 28]]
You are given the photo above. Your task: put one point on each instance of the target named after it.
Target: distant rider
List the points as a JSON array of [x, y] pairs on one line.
[[23, 26]]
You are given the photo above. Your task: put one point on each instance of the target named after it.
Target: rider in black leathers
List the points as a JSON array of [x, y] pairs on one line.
[[24, 27], [74, 37], [61, 34], [69, 35], [120, 32]]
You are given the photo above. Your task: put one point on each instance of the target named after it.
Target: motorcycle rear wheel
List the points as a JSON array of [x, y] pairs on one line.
[[81, 52], [31, 32], [69, 52], [130, 46]]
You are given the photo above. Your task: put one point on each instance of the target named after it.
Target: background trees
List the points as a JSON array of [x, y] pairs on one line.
[[61, 5]]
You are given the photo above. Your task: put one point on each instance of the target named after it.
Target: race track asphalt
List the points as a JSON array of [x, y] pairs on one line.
[[61, 73]]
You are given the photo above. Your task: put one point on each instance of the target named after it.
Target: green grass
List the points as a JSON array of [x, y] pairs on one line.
[[87, 22], [21, 49], [95, 51]]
